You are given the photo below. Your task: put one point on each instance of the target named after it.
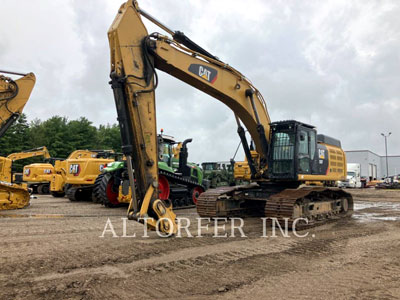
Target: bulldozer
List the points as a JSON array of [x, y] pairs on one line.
[[285, 155], [14, 94], [179, 180]]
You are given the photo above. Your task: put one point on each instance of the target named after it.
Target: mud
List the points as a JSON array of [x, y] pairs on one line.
[[53, 250]]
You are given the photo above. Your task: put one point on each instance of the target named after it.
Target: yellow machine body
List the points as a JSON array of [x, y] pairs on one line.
[[64, 170], [83, 171], [38, 172]]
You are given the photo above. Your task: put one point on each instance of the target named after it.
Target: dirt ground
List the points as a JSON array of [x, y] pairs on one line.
[[53, 250]]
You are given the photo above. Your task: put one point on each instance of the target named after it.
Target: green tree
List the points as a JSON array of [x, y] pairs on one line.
[[108, 137], [16, 139]]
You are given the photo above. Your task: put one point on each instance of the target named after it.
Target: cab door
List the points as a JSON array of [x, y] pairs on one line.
[[303, 154], [307, 151]]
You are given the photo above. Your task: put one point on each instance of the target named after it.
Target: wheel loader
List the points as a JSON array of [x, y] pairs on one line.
[[180, 181], [14, 94], [291, 168]]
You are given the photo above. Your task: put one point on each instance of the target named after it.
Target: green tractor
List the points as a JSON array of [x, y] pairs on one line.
[[219, 173], [179, 180]]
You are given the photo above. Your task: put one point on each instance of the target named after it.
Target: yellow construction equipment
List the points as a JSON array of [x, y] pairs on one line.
[[14, 94], [38, 177], [75, 176], [286, 154], [16, 195], [84, 163], [82, 174]]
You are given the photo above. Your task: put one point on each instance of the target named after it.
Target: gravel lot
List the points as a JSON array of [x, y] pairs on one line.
[[53, 250]]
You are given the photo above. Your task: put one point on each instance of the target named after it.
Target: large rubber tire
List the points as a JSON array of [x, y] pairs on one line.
[[96, 194], [58, 194], [108, 196]]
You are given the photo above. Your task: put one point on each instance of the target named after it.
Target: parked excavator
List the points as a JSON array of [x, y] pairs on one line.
[[14, 94], [39, 175], [78, 172], [179, 180], [11, 184], [82, 173], [281, 157]]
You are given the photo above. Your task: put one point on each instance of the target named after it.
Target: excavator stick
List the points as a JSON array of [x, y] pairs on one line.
[[133, 89]]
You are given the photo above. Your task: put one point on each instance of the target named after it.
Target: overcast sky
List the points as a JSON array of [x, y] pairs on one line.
[[332, 64]]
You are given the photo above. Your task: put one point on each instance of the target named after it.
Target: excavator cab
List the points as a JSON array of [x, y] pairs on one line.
[[298, 153], [293, 150]]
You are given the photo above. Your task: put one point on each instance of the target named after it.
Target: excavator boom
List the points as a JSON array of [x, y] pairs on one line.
[[41, 151], [14, 94]]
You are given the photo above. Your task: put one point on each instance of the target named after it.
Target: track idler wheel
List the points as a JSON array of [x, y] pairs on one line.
[[196, 192]]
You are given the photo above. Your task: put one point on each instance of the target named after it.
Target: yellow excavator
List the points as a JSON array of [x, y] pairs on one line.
[[14, 193], [14, 94], [281, 157], [78, 172]]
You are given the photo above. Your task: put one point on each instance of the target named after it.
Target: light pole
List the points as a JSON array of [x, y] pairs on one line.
[[387, 168]]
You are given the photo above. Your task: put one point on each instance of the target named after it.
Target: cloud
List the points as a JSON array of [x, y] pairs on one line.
[[334, 64]]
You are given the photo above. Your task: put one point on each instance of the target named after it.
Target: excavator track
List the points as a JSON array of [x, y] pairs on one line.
[[79, 193], [208, 204], [13, 196], [310, 206], [318, 205]]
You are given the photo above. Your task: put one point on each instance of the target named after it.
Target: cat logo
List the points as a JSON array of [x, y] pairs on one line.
[[203, 72], [74, 169], [207, 73], [27, 172], [47, 171]]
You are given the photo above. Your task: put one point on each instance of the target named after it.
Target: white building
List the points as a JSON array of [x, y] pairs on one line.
[[373, 166]]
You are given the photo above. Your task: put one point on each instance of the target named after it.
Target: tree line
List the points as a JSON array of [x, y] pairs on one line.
[[60, 135]]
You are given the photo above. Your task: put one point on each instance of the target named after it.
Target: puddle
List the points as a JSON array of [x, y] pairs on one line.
[[383, 214], [380, 205], [367, 217]]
